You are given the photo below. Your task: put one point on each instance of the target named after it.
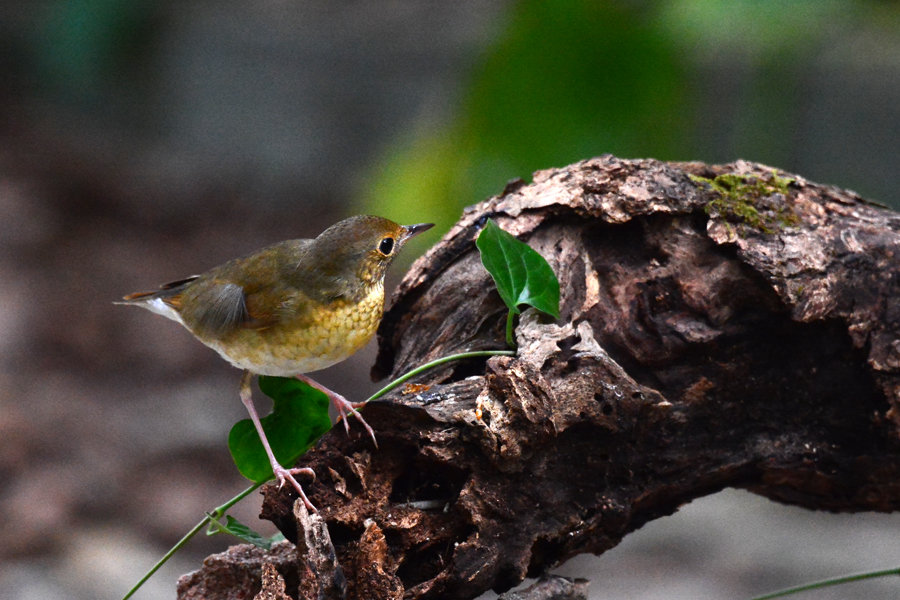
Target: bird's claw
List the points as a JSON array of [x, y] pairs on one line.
[[341, 405], [344, 406], [283, 475]]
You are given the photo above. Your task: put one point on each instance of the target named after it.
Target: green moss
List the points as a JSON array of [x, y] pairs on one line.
[[750, 200]]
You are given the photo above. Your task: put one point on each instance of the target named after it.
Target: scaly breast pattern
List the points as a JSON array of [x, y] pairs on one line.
[[332, 334]]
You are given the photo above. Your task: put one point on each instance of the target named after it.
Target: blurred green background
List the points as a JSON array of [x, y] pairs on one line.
[[143, 141], [798, 85], [438, 107]]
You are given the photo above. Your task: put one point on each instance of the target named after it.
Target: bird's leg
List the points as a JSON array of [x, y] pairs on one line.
[[342, 405], [281, 474]]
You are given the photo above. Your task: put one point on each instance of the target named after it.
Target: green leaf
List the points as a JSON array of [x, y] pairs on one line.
[[521, 274], [234, 527], [299, 416]]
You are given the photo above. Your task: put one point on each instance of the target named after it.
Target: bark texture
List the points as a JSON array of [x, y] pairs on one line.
[[721, 326], [551, 587], [272, 584], [239, 573]]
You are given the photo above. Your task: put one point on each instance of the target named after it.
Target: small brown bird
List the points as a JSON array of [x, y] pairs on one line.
[[290, 308]]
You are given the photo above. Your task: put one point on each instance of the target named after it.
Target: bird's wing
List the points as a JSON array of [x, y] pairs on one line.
[[252, 292], [217, 308]]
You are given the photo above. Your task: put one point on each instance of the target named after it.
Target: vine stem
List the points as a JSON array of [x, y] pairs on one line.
[[828, 582], [219, 511], [435, 363], [510, 341]]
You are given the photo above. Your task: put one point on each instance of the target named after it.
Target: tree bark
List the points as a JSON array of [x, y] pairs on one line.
[[734, 332]]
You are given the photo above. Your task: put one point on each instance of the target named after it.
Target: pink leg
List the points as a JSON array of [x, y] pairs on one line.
[[281, 474], [342, 405]]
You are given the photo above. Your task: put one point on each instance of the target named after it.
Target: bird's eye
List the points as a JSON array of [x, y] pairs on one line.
[[386, 245]]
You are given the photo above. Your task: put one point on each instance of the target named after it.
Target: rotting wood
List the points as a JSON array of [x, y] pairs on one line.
[[701, 346], [551, 587]]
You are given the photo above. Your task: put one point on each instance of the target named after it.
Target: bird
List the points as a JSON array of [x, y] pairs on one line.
[[289, 309]]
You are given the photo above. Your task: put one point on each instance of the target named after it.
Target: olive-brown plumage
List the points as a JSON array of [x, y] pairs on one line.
[[291, 308]]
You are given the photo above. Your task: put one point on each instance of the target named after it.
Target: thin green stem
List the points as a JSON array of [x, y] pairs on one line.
[[510, 340], [218, 512], [436, 362], [829, 582]]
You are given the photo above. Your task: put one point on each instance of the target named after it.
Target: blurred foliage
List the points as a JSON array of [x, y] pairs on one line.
[[565, 81], [83, 47], [572, 79]]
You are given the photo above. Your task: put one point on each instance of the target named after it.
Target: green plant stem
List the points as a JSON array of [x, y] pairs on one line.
[[829, 582], [510, 341], [216, 512], [436, 362]]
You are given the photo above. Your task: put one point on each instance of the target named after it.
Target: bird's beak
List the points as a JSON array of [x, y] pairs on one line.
[[410, 231]]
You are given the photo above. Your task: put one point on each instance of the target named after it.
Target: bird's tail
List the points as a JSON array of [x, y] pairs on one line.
[[165, 301], [168, 290]]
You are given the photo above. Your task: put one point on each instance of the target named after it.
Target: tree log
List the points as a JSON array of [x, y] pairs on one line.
[[722, 326]]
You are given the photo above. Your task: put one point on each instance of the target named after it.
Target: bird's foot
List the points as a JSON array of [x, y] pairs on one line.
[[283, 475], [344, 408]]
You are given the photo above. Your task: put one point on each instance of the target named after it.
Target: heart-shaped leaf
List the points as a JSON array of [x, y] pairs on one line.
[[522, 276], [299, 416]]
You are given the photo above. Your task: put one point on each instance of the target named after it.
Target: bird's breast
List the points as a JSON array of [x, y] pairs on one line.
[[325, 334]]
